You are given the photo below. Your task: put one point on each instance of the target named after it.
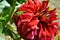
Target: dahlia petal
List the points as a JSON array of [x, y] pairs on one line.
[[44, 5], [23, 7], [53, 15], [30, 2], [16, 19], [53, 12], [18, 24], [48, 38], [55, 27], [31, 8], [35, 32], [36, 1], [37, 14], [52, 39], [26, 17], [25, 29], [33, 22], [52, 18], [47, 33], [43, 19], [34, 27], [51, 32], [28, 8], [43, 38], [30, 36], [41, 30]]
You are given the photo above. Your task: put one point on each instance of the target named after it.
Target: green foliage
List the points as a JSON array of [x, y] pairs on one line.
[[5, 16], [11, 21], [1, 28], [19, 12], [1, 0], [21, 1], [9, 12], [6, 20], [7, 31], [10, 2]]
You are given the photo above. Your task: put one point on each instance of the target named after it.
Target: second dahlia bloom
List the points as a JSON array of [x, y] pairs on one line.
[[37, 22]]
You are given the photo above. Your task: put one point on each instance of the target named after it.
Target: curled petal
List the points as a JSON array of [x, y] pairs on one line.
[[26, 17], [33, 22], [53, 15], [31, 35], [41, 30], [44, 5], [47, 33], [28, 8], [30, 2]]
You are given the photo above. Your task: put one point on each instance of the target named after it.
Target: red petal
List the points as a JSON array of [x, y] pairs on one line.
[[31, 35], [28, 8], [30, 2], [44, 5], [18, 24], [47, 33], [26, 17], [37, 14], [36, 1], [33, 22], [41, 30], [15, 18]]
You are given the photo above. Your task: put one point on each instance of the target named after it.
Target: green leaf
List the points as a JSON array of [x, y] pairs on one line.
[[21, 1], [19, 12], [5, 12], [9, 27], [7, 31], [10, 2], [2, 19], [10, 12], [1, 0], [11, 21], [1, 27]]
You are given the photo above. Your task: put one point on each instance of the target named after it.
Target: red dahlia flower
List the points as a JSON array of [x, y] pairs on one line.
[[37, 21]]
